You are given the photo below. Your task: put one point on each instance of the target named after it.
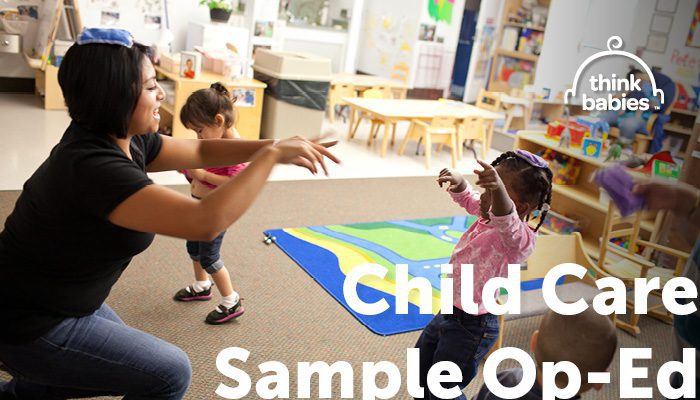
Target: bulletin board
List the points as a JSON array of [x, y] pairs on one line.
[[143, 18]]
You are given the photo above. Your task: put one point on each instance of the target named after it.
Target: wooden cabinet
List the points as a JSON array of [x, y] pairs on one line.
[[515, 65], [580, 201], [248, 118]]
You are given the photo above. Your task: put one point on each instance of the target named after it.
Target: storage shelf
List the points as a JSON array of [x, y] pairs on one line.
[[678, 129], [167, 107], [538, 137], [518, 25], [686, 112], [590, 245], [518, 54]]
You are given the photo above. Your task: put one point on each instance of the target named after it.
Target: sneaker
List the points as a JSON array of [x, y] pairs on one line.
[[189, 294], [222, 314]]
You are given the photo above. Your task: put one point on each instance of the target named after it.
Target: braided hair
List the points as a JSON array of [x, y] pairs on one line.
[[533, 183], [203, 105]]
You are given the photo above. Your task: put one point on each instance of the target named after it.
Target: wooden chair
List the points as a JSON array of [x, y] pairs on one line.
[[490, 101], [569, 248], [440, 130], [517, 114], [627, 265], [379, 92], [641, 141], [336, 95], [472, 128]]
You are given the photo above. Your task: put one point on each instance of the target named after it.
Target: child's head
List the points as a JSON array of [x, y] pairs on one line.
[[528, 180], [209, 112], [588, 340]]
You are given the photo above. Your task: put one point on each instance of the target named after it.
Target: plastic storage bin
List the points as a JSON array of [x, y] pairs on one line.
[[296, 93], [558, 223]]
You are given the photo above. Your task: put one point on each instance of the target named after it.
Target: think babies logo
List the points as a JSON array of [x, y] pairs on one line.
[[600, 83]]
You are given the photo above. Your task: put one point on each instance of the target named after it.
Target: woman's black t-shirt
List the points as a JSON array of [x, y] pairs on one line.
[[59, 254]]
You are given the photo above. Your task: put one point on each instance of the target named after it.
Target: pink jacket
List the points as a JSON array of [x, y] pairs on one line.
[[489, 245]]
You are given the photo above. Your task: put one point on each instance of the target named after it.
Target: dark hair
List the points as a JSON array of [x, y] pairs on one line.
[[203, 105], [634, 71], [533, 183], [101, 85]]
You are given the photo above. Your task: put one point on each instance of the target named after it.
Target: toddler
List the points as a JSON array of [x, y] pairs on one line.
[[516, 184], [209, 112]]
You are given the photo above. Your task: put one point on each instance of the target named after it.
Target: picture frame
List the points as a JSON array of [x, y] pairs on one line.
[[656, 43], [190, 64], [661, 23], [667, 6]]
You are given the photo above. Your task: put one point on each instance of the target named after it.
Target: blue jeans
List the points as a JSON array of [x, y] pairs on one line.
[[207, 253], [459, 338], [97, 355]]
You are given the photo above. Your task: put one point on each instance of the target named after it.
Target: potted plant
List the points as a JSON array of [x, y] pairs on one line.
[[219, 10]]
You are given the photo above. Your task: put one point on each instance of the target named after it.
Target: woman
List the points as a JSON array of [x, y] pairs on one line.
[[89, 208]]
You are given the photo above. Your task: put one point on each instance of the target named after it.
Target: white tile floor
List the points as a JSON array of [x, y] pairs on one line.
[[28, 132]]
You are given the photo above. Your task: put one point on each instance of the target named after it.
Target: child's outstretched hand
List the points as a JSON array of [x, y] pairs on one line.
[[488, 178], [455, 181]]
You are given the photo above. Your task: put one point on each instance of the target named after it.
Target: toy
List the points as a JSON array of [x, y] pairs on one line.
[[556, 128], [614, 152], [595, 125], [565, 138], [666, 170], [618, 184], [565, 169], [592, 147]]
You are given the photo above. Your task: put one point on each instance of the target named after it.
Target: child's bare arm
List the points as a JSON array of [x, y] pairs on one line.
[[501, 204]]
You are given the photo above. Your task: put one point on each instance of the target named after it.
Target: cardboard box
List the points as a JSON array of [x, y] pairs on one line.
[[170, 62]]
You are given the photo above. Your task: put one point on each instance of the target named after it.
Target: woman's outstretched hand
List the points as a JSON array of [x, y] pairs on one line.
[[307, 153]]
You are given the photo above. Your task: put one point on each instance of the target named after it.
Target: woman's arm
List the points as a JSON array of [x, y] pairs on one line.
[[679, 197], [161, 210], [193, 153]]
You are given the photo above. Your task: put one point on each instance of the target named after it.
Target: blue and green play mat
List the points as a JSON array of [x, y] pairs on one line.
[[328, 252]]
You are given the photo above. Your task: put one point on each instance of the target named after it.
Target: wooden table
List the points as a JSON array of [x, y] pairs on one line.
[[247, 118], [364, 82], [394, 110]]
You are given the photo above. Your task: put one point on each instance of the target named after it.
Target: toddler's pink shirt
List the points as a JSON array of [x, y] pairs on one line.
[[489, 246]]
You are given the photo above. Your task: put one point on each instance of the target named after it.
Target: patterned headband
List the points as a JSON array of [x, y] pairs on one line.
[[121, 37], [532, 159]]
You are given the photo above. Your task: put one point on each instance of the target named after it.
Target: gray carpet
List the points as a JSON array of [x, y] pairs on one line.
[[289, 318]]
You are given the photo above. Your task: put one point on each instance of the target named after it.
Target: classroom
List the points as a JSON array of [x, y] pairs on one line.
[[368, 199]]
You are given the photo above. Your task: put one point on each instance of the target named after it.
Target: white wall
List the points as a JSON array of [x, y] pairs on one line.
[[447, 49], [489, 15], [389, 35], [676, 48], [578, 29]]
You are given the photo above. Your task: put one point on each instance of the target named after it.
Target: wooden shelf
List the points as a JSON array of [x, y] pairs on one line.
[[539, 138], [518, 25], [686, 112], [678, 129], [169, 108], [577, 193], [517, 54], [590, 245]]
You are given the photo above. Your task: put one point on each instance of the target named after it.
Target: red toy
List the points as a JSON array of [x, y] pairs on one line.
[[578, 131]]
